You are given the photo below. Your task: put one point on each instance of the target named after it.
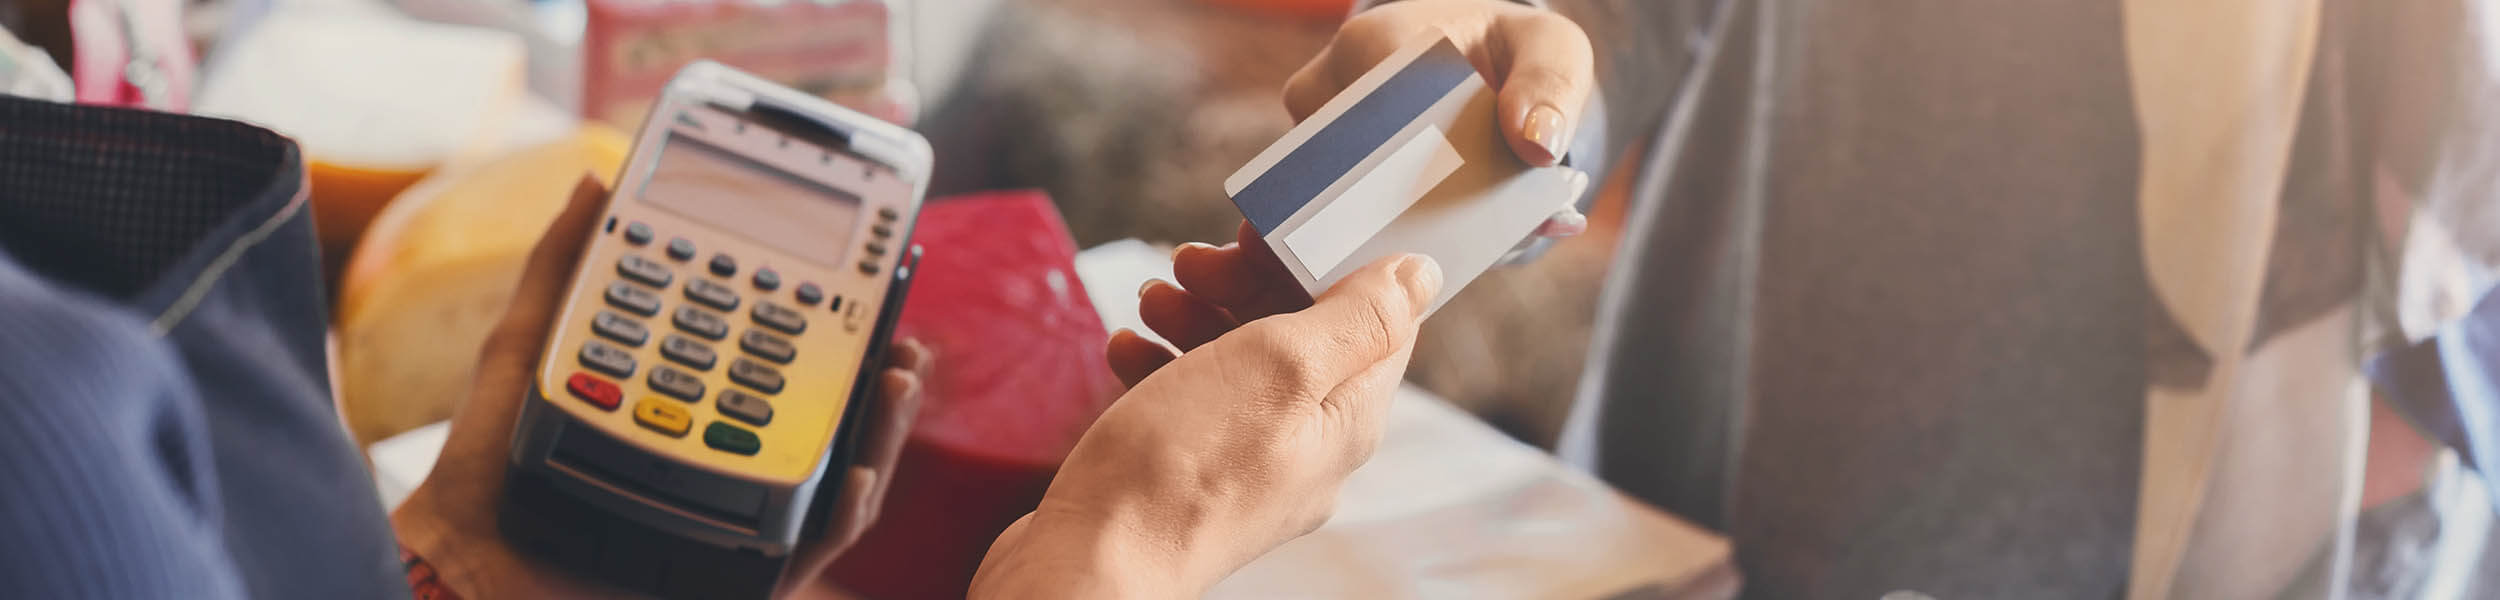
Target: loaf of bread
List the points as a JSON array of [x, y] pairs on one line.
[[435, 270]]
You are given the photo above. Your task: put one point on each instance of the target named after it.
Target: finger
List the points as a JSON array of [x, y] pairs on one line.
[[850, 522], [1368, 317], [1133, 357], [871, 475], [859, 506], [1359, 45], [1563, 223], [1232, 279], [899, 397], [1312, 85], [911, 355], [1545, 72], [480, 430], [1244, 278], [1181, 317], [512, 348]]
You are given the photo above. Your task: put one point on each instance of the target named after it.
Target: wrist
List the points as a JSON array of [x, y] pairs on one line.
[[1065, 549], [467, 553], [443, 545]]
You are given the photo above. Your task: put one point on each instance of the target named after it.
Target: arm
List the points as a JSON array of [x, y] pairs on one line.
[[106, 490]]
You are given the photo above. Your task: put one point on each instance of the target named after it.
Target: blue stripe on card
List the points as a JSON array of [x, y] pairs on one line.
[[1324, 158]]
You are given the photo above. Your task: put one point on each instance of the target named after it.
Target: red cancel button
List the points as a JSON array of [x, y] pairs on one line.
[[592, 390]]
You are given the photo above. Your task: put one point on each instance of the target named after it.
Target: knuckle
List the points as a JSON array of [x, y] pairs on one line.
[[1378, 323], [1288, 366], [1542, 78], [1551, 22]]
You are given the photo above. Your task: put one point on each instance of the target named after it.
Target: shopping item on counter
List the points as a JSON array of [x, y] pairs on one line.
[[433, 274]]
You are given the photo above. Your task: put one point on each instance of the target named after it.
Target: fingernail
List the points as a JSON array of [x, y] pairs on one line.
[[1422, 278], [1546, 129], [1148, 285], [1564, 223]]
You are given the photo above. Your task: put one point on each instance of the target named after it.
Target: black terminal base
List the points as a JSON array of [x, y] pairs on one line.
[[547, 524]]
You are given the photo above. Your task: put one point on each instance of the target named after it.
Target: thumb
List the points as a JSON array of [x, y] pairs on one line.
[[539, 293], [1368, 317], [1545, 73], [483, 423]]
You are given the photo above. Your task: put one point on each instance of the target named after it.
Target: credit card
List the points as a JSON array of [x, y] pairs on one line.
[[1408, 159]]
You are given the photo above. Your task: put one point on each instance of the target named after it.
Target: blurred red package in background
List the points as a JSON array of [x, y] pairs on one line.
[[841, 51], [1018, 377]]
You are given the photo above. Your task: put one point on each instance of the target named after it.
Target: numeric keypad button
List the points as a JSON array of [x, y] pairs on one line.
[[746, 407], [701, 322], [647, 271], [676, 384], [755, 375], [686, 351], [605, 358], [633, 298], [712, 294], [625, 330], [729, 438], [776, 316], [769, 346]]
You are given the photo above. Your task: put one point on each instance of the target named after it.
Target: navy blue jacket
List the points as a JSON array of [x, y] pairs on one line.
[[166, 429]]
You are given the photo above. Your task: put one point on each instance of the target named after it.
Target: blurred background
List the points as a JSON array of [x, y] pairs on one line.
[[1949, 298], [441, 135]]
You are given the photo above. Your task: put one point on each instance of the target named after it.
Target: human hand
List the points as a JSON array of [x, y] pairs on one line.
[[1539, 64], [1219, 289], [450, 519], [1216, 456]]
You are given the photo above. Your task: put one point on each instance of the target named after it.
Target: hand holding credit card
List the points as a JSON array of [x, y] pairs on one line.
[[1408, 159]]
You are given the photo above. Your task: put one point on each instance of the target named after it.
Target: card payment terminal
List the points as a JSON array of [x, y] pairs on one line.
[[717, 345]]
